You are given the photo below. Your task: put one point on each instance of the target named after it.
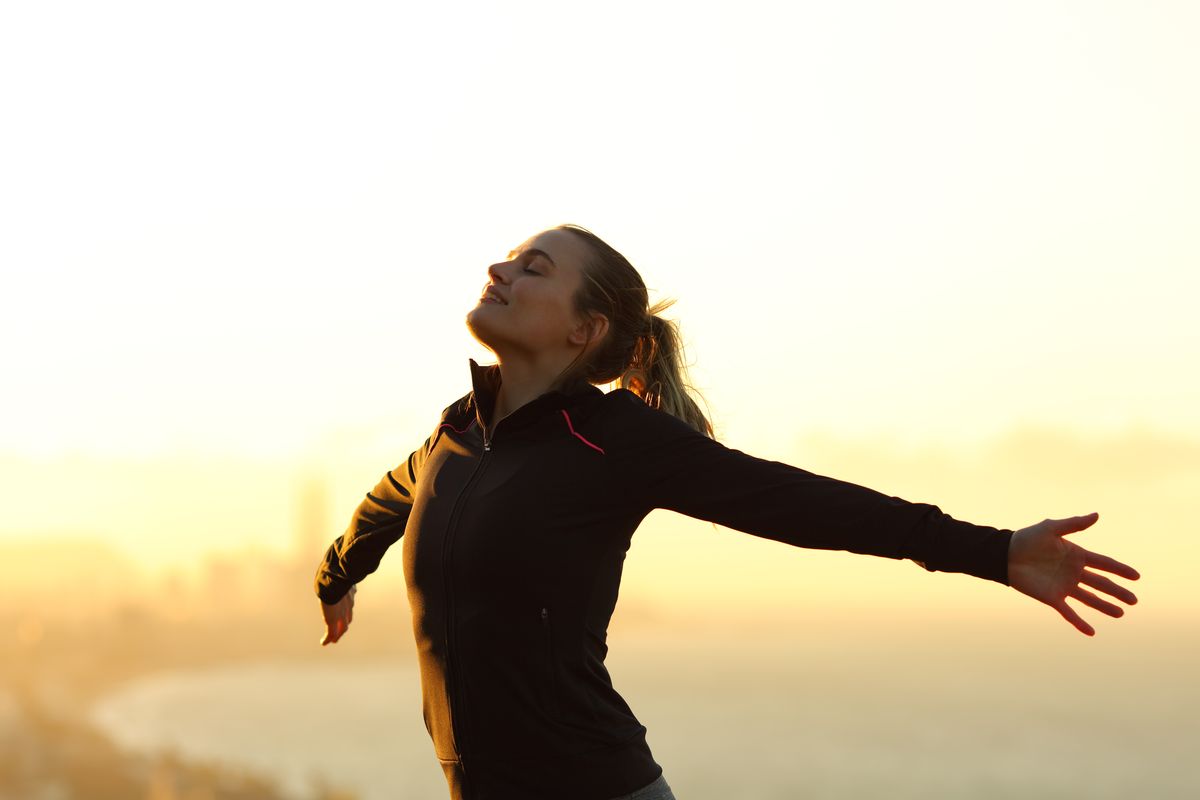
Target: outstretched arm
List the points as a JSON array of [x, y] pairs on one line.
[[659, 461], [1048, 568], [376, 525]]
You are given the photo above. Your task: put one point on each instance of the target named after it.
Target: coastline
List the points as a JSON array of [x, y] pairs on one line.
[[57, 670]]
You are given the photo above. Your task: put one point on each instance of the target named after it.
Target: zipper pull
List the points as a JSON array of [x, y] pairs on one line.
[[545, 615]]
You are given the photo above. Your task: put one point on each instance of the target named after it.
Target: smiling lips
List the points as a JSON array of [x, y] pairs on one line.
[[490, 295]]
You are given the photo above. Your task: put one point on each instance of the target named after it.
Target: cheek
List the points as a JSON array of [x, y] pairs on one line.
[[539, 298], [542, 309]]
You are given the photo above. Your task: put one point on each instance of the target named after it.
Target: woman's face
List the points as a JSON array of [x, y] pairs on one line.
[[526, 307]]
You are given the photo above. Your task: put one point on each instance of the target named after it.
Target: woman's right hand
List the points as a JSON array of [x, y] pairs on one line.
[[338, 616]]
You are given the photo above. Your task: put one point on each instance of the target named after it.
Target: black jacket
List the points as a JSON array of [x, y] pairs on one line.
[[512, 554]]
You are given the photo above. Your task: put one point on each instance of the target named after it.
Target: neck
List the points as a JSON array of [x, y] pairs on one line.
[[522, 381]]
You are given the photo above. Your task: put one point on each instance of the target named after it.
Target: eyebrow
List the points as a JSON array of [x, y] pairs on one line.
[[536, 252]]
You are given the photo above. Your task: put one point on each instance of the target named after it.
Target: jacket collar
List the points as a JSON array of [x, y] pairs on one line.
[[485, 387]]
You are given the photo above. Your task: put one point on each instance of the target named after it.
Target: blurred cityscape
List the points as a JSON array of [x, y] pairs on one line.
[[83, 619]]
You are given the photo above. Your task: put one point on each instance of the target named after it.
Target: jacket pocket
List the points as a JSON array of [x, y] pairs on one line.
[[550, 679]]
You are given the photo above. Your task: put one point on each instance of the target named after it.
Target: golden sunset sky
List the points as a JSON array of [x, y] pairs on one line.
[[945, 250]]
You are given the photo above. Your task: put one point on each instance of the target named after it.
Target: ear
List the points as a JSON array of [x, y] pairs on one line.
[[591, 329]]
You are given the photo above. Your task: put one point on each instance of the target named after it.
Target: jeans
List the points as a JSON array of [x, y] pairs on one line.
[[658, 790]]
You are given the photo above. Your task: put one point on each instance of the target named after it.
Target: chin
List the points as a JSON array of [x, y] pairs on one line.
[[479, 328]]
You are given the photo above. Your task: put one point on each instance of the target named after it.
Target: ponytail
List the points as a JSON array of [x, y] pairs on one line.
[[658, 374]]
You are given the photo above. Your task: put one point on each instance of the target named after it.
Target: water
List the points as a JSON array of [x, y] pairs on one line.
[[357, 726], [833, 717]]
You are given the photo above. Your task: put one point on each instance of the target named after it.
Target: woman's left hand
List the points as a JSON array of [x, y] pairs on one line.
[[1045, 566]]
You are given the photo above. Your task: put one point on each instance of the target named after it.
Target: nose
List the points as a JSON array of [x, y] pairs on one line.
[[496, 272]]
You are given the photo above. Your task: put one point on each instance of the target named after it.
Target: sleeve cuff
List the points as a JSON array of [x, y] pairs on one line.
[[331, 591], [979, 550]]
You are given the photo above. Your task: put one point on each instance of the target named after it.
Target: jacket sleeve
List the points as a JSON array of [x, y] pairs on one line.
[[376, 525], [662, 462]]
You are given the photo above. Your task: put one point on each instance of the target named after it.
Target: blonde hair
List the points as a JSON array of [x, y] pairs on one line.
[[642, 352]]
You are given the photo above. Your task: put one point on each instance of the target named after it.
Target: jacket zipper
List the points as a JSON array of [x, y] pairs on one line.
[[453, 665]]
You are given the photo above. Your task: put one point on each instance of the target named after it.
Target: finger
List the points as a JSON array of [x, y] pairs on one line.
[[1079, 593], [1110, 565], [1075, 524], [1070, 616], [1104, 584]]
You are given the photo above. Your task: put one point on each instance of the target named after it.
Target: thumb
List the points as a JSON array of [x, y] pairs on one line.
[[1075, 524]]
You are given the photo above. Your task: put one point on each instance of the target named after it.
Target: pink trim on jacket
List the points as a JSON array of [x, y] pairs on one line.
[[456, 430], [572, 427], [438, 434]]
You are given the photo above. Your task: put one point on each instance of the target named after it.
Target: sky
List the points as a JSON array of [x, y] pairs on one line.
[[947, 250]]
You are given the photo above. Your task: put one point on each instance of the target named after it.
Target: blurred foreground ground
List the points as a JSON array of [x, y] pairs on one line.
[[83, 623]]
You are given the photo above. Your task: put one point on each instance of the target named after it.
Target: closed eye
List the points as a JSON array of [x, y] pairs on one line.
[[527, 269]]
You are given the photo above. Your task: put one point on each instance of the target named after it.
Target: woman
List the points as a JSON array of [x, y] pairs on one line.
[[518, 509]]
